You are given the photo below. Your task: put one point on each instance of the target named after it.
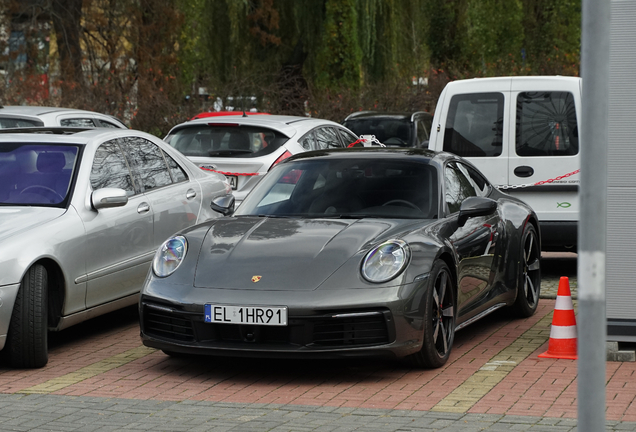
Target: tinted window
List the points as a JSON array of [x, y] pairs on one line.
[[78, 122], [458, 187], [546, 124], [11, 122], [106, 124], [474, 126], [110, 168], [396, 188], [389, 131], [225, 140], [423, 130], [479, 183], [148, 161], [178, 174], [326, 138]]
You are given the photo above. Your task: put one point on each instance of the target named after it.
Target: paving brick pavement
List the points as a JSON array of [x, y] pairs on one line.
[[100, 378]]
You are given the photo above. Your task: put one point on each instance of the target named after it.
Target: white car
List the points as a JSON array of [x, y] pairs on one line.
[[522, 132], [81, 216], [245, 148], [38, 116]]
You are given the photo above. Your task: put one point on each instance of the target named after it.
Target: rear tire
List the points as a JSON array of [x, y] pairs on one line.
[[27, 339], [439, 319], [529, 287]]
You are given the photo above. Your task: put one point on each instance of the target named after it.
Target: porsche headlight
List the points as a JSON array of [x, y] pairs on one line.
[[386, 261], [169, 256]]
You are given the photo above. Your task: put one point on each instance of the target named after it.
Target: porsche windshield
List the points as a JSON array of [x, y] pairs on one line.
[[36, 174], [346, 188]]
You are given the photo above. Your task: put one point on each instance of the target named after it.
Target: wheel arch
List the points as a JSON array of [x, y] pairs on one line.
[[56, 289], [535, 223], [447, 257]]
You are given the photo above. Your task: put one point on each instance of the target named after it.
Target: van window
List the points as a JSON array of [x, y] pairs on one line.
[[546, 124], [474, 126]]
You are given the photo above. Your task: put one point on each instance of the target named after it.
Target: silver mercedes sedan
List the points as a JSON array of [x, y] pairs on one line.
[[81, 215]]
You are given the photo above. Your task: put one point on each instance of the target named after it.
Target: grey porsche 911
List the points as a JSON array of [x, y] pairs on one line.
[[341, 253]]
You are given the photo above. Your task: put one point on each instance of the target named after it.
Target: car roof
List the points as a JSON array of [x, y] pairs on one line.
[[285, 124], [209, 114], [62, 135], [388, 114], [375, 153], [510, 79], [41, 110]]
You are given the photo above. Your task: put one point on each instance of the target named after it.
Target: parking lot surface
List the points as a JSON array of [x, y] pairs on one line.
[[101, 378]]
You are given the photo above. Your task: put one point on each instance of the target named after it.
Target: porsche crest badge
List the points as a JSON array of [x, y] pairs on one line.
[[256, 278]]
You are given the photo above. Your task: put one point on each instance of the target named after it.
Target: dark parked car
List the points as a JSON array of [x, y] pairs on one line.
[[393, 129], [352, 252]]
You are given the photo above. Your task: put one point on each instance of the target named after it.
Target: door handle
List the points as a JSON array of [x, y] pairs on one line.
[[523, 171], [190, 194], [143, 208]]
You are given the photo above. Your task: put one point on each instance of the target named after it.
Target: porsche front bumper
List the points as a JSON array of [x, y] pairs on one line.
[[382, 322]]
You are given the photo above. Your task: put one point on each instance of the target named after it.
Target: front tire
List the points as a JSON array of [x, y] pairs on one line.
[[529, 286], [27, 339], [439, 319]]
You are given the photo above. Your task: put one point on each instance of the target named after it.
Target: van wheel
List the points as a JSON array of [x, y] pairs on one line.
[[439, 319], [529, 285], [27, 338]]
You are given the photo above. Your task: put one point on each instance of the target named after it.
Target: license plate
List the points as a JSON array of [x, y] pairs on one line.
[[233, 180], [256, 315]]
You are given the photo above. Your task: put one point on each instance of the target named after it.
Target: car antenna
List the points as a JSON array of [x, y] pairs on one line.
[[243, 105]]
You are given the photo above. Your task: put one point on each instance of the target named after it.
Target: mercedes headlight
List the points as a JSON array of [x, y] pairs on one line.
[[169, 256], [386, 261]]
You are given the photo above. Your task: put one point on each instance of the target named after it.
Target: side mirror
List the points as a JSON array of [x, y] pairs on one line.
[[223, 204], [108, 197], [475, 206]]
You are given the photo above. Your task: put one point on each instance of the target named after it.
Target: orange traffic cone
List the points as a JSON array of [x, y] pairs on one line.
[[562, 344]]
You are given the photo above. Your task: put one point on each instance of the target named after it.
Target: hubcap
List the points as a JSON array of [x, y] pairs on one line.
[[443, 314], [531, 270]]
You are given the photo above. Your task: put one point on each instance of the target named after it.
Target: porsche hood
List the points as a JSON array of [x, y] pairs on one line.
[[259, 253]]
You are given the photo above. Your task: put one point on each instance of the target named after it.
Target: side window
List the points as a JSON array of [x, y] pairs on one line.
[[149, 162], [546, 124], [106, 124], [422, 132], [110, 169], [326, 138], [347, 137], [457, 186], [78, 122], [479, 183], [474, 126], [308, 142], [178, 174]]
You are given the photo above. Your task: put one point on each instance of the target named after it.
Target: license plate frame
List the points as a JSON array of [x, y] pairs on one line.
[[245, 314]]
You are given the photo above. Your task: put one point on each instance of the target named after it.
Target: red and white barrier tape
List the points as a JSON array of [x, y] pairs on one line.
[[540, 182], [366, 141], [229, 173]]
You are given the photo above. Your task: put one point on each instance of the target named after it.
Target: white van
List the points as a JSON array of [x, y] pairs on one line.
[[522, 133]]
